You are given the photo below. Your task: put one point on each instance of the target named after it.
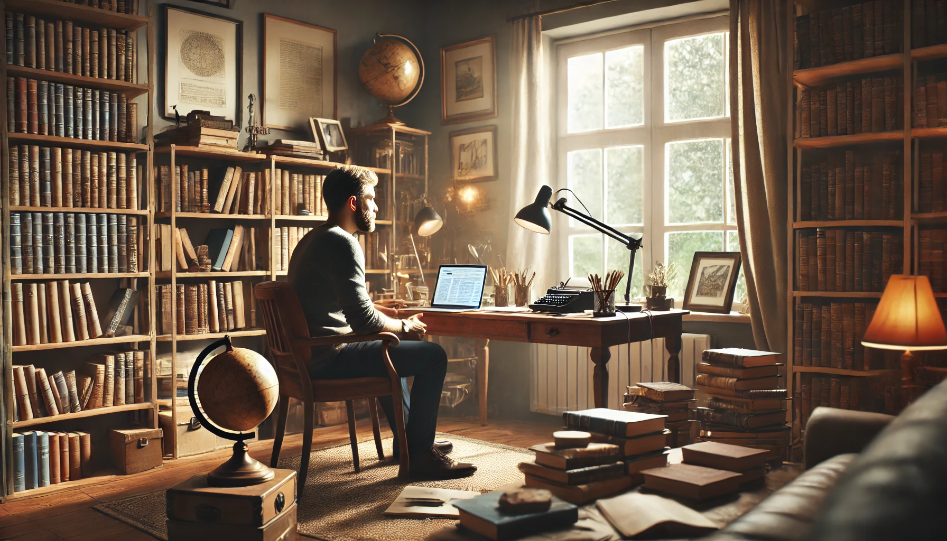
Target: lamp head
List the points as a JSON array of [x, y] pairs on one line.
[[427, 222], [535, 216], [907, 317]]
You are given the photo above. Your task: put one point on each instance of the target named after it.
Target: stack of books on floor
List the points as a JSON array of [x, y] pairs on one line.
[[664, 398], [295, 149], [709, 470], [745, 405]]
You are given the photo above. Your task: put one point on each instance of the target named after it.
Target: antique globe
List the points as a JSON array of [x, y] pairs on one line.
[[392, 71], [236, 390]]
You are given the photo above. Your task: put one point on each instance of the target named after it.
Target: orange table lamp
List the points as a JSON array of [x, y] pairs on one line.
[[907, 319]]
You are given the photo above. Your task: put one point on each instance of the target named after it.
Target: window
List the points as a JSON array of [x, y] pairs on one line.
[[643, 142]]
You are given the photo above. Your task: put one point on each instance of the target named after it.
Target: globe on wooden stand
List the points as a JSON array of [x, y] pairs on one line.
[[392, 71], [238, 389]]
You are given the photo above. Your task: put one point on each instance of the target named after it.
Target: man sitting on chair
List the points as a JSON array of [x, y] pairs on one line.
[[327, 271]]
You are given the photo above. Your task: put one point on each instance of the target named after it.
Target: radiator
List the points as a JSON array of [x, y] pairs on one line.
[[561, 376]]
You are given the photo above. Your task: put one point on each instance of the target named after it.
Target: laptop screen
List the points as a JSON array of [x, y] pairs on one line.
[[459, 286]]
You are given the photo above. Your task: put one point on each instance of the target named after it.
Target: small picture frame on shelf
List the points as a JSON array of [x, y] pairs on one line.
[[473, 154], [328, 132], [712, 282], [468, 81]]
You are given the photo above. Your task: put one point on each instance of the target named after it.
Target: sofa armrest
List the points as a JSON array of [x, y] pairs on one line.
[[833, 431]]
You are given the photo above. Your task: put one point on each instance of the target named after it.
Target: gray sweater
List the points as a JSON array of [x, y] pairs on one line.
[[327, 271]]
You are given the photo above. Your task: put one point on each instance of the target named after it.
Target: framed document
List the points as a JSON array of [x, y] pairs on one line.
[[469, 81], [712, 281], [202, 63], [473, 154], [299, 73]]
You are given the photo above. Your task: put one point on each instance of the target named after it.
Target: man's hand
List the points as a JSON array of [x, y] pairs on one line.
[[414, 328]]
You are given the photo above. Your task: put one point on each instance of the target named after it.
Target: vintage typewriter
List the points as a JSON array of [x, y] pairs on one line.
[[573, 295]]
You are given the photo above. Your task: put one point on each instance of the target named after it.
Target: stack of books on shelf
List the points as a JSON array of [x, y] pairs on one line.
[[880, 394], [930, 101], [927, 23], [224, 250], [672, 400], [299, 194], [869, 105], [196, 135], [41, 459], [208, 307], [59, 311], [745, 405], [932, 194], [863, 30], [842, 259], [285, 240], [228, 190], [827, 334], [295, 149], [853, 186]]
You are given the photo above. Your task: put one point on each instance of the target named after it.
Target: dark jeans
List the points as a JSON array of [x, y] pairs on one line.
[[426, 361]]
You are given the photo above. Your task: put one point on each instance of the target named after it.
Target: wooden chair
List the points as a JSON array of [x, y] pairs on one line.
[[287, 336]]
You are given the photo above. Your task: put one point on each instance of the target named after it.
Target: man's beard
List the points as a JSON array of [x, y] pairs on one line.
[[364, 221]]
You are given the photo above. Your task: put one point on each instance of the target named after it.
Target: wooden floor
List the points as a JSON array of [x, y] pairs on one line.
[[68, 515]]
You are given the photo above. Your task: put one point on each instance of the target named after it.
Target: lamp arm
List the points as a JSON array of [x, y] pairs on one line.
[[630, 242]]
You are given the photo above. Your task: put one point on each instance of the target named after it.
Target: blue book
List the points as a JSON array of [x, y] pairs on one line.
[[42, 451], [19, 464], [31, 471], [218, 243], [482, 515]]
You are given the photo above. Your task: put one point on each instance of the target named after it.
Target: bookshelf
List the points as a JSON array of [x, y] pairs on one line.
[[133, 140]]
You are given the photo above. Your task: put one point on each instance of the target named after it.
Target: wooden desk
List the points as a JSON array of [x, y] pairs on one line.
[[599, 334]]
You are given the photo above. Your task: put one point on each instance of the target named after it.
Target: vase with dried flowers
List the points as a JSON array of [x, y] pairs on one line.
[[658, 281]]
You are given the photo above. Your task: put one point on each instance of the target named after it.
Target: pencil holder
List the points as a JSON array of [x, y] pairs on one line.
[[501, 295], [521, 295], [603, 303]]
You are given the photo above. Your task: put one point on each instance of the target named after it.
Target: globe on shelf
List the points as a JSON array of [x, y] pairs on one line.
[[392, 71], [235, 390]]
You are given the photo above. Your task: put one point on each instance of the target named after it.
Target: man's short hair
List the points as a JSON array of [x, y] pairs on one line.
[[344, 182]]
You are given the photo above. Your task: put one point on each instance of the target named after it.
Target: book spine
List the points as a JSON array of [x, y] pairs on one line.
[[79, 311], [118, 398], [140, 373], [70, 242], [103, 240], [16, 250], [113, 117], [73, 391], [42, 383], [59, 242], [81, 238], [22, 393], [42, 458], [130, 378]]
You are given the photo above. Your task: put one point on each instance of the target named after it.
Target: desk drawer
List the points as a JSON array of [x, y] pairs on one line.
[[563, 333], [476, 327]]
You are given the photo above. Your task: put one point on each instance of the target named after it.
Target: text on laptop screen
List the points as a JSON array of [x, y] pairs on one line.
[[459, 286]]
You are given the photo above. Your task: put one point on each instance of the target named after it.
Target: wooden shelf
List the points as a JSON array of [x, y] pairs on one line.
[[872, 64], [80, 276], [411, 176], [320, 164], [84, 343], [213, 274], [832, 141], [73, 142], [848, 223], [62, 10], [86, 413], [78, 210], [211, 216], [377, 271], [130, 90], [929, 53], [842, 371], [928, 133], [211, 153], [300, 218], [212, 336], [839, 294], [934, 217]]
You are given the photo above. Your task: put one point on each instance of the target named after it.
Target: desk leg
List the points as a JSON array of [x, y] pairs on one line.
[[600, 357], [483, 371], [673, 345]]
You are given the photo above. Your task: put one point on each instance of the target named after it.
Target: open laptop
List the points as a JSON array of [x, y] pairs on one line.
[[459, 288]]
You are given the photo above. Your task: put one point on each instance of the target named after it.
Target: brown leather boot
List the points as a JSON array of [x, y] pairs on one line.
[[443, 446], [436, 465]]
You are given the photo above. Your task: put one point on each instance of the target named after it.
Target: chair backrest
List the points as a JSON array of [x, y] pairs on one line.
[[285, 321]]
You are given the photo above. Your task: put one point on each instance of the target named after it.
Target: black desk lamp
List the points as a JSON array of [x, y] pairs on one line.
[[535, 217], [426, 223]]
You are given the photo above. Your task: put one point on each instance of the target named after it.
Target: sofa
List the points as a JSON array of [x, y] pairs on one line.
[[867, 477]]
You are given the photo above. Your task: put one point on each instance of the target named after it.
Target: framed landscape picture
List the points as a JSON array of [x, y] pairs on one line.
[[469, 81], [712, 282], [299, 73], [202, 63], [473, 154]]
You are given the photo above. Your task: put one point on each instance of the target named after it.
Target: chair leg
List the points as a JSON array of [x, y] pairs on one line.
[[403, 465], [350, 410], [281, 416], [373, 409], [308, 419]]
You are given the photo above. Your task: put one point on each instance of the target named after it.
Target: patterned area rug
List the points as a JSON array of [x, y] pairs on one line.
[[341, 505]]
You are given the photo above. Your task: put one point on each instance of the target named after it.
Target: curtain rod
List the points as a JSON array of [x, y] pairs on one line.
[[588, 3]]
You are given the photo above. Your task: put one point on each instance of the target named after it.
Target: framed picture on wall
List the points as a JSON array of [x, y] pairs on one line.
[[712, 282], [299, 73], [202, 63], [469, 81], [473, 154], [328, 133]]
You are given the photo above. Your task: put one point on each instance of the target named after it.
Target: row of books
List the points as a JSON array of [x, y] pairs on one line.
[[285, 240], [63, 110], [853, 32], [875, 394], [853, 186], [208, 307], [828, 334], [235, 249], [930, 101], [41, 459], [129, 7], [928, 22], [932, 193], [64, 47], [225, 191], [66, 177], [298, 193], [745, 404], [67, 243], [837, 259], [869, 105], [932, 260], [59, 311]]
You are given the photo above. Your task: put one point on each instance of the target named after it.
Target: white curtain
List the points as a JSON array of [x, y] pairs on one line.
[[531, 153]]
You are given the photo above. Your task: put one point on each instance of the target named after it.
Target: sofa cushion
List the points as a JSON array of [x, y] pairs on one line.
[[789, 512], [897, 487]]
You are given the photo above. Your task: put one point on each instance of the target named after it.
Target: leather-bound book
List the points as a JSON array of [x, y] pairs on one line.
[[75, 457], [59, 118], [806, 339], [108, 390], [93, 53], [825, 338], [121, 243], [202, 297], [859, 192], [918, 26], [141, 372], [120, 60], [92, 314], [930, 99], [94, 181], [43, 319], [821, 259], [104, 116], [111, 200], [228, 302], [165, 301], [797, 335], [848, 334], [858, 33], [79, 311], [879, 28], [77, 51], [12, 108], [286, 251], [73, 391], [122, 118], [31, 307], [25, 407], [46, 392], [131, 243], [849, 184], [53, 312], [82, 256], [190, 309], [849, 261], [213, 314], [113, 54], [89, 114], [889, 189], [860, 327], [184, 191], [65, 308], [867, 260], [16, 239], [239, 308], [858, 268], [22, 122], [113, 117], [18, 33], [32, 107], [42, 244], [835, 103], [67, 43], [42, 107], [838, 351], [96, 372], [817, 103], [878, 119], [840, 193], [118, 397], [132, 123], [59, 242], [866, 101], [55, 472], [39, 410], [67, 182], [855, 103], [849, 109], [64, 458], [130, 377], [104, 54], [942, 89], [27, 244], [938, 181], [68, 111], [180, 310], [29, 27], [815, 40], [46, 177], [891, 103], [58, 50], [19, 315], [85, 52], [222, 308]]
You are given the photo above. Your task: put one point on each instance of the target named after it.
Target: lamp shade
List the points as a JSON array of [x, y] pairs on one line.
[[427, 222], [535, 216], [907, 317]]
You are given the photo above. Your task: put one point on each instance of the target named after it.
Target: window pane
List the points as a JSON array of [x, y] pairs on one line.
[[695, 172], [733, 245], [695, 77], [680, 250], [732, 213], [585, 255], [618, 260], [624, 192], [585, 179], [585, 93], [624, 87]]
